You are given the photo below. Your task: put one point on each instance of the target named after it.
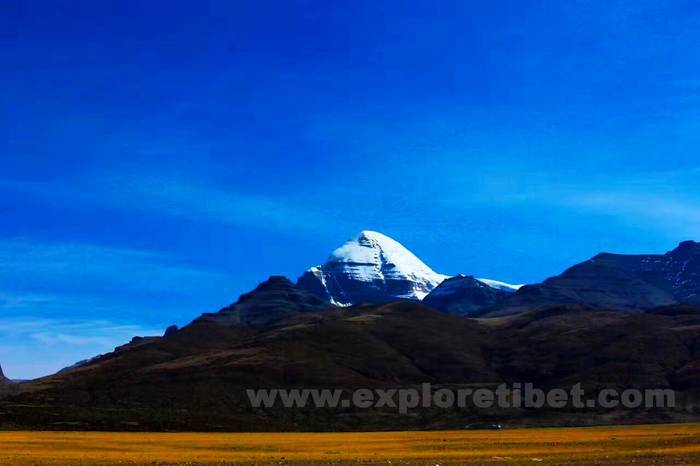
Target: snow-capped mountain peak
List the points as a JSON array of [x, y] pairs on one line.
[[371, 268], [373, 256]]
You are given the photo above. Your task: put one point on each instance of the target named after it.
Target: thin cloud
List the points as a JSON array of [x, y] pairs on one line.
[[47, 264], [184, 199], [37, 346], [200, 202], [678, 216]]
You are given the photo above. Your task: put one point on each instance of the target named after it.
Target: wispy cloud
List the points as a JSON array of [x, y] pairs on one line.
[[72, 332], [191, 199], [51, 293], [36, 346], [81, 281], [75, 265], [679, 216], [197, 201], [663, 202]]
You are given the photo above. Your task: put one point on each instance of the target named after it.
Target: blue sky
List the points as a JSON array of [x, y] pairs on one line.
[[160, 158]]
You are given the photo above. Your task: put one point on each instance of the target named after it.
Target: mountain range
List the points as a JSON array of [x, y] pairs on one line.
[[374, 315], [374, 269]]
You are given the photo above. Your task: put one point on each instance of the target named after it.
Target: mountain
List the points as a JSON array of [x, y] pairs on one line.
[[196, 377], [275, 299], [371, 268], [619, 281], [3, 379], [464, 295], [374, 269]]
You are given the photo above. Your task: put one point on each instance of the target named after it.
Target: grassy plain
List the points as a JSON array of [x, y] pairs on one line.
[[649, 444]]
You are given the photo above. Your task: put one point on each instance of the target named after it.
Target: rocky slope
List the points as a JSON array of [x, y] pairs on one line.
[[618, 281]]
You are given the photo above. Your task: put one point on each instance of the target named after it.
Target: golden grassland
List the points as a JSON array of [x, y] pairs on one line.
[[649, 444]]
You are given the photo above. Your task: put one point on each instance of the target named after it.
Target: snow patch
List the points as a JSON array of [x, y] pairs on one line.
[[500, 285]]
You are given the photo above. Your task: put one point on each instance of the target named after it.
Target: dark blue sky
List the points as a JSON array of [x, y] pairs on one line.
[[160, 158]]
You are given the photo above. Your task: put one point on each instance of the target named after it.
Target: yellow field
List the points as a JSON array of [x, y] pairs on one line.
[[658, 444]]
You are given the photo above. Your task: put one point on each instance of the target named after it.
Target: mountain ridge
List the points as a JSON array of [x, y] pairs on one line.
[[630, 282], [274, 299]]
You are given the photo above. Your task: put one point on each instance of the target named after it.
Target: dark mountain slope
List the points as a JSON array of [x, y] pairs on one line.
[[617, 281], [677, 272], [195, 378], [464, 295], [273, 300], [565, 345]]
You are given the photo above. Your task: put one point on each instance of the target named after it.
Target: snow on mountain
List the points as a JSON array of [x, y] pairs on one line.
[[371, 268], [3, 379], [503, 286], [373, 256]]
